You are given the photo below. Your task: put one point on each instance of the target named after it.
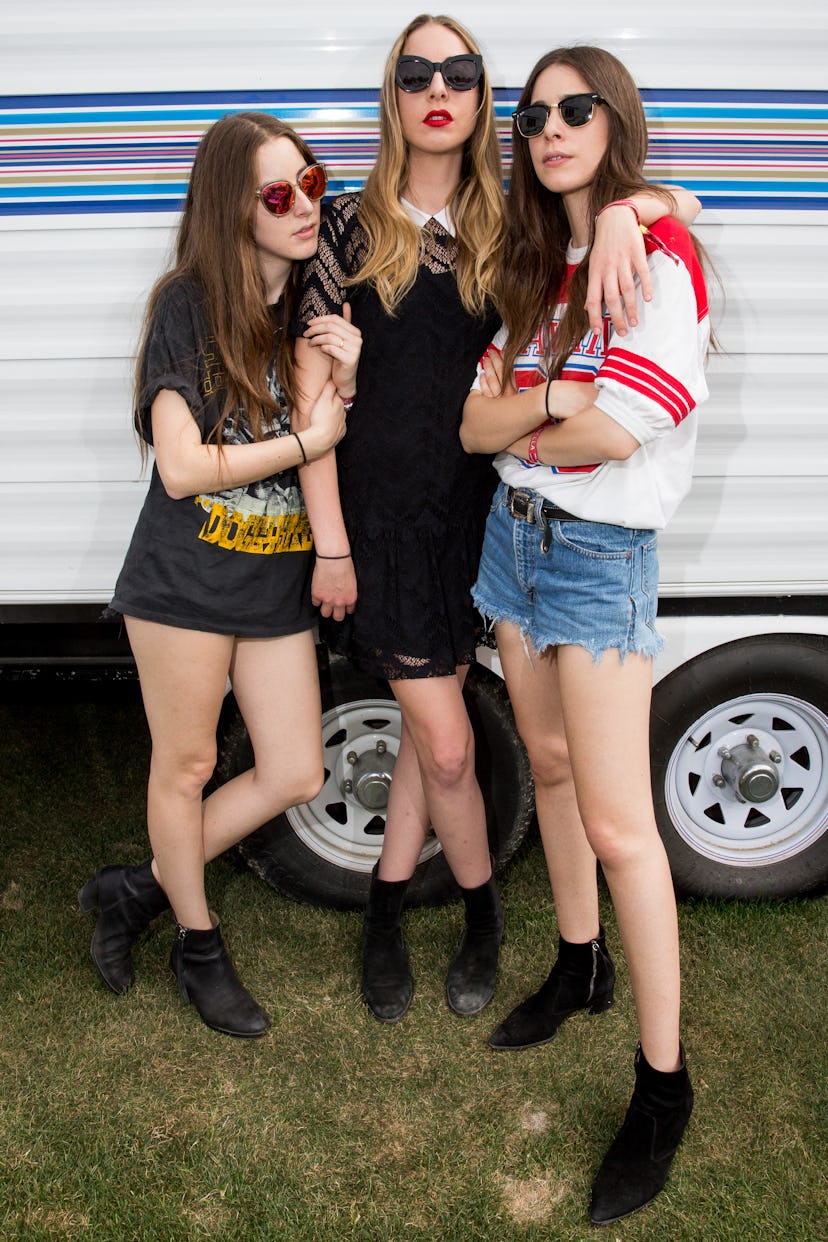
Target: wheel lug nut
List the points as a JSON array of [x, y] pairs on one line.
[[775, 756], [719, 780], [351, 756]]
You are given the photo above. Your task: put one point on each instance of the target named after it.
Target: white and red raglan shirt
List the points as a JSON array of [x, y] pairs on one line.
[[650, 381]]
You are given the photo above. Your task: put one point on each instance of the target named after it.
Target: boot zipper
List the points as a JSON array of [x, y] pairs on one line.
[[595, 950]]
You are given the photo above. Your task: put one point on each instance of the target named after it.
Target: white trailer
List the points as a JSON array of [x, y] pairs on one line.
[[101, 110]]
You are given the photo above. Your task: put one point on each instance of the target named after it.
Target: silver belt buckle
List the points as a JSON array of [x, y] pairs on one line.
[[528, 514]]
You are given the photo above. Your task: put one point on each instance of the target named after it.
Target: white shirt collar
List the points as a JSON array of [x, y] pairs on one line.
[[574, 254], [422, 217]]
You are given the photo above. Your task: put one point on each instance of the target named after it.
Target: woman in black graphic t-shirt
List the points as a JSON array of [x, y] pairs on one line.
[[216, 581]]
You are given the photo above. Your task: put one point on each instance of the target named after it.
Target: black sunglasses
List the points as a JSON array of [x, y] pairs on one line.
[[460, 73], [575, 111], [278, 197]]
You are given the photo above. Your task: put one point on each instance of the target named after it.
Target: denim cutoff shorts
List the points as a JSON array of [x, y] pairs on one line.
[[596, 587]]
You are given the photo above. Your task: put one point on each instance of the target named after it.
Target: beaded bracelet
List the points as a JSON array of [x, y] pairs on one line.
[[348, 402], [621, 202]]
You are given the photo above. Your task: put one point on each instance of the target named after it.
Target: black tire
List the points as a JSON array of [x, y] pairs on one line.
[[776, 689], [323, 852]]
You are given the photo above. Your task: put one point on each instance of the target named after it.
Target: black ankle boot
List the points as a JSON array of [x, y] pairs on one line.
[[472, 974], [207, 977], [635, 1168], [128, 899], [387, 983], [583, 977]]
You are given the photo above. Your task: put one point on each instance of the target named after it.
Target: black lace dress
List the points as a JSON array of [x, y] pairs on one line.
[[414, 502]]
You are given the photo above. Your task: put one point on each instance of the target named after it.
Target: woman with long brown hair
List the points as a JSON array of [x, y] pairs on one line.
[[216, 581], [399, 513], [595, 438]]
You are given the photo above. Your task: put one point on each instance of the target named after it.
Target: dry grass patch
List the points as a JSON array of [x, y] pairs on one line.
[[530, 1201]]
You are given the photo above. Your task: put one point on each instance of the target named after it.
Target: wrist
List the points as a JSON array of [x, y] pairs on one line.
[[532, 448], [316, 443], [620, 202]]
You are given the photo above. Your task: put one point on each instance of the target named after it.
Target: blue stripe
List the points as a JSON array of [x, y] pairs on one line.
[[718, 164], [327, 96]]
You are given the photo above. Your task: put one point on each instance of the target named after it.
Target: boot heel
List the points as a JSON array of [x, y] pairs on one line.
[[206, 977], [602, 1005], [88, 896]]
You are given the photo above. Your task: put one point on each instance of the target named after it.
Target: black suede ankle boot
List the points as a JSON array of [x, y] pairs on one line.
[[128, 899], [583, 977], [635, 1168], [472, 974], [387, 982], [207, 977]]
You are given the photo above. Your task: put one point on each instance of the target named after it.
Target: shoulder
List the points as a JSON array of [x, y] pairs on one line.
[[179, 299], [341, 212], [670, 248]]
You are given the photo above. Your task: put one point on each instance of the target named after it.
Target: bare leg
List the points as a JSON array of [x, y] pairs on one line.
[[606, 711], [183, 677], [407, 820], [532, 681], [436, 720], [277, 689]]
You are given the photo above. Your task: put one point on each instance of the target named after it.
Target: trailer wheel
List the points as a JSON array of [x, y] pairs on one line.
[[739, 742], [323, 852]]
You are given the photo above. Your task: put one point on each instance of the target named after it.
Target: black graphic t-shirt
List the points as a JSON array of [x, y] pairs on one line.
[[228, 562]]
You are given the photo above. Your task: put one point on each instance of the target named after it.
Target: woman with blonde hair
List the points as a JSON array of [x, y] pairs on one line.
[[216, 581], [595, 438], [398, 515]]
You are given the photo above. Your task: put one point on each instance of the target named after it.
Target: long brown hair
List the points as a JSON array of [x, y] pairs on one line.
[[216, 246], [476, 206], [537, 228]]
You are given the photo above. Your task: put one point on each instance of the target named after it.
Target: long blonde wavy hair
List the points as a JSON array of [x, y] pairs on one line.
[[395, 243]]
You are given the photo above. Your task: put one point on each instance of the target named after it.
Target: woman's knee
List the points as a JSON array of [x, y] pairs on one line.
[[618, 845], [549, 760], [184, 774], [449, 759], [307, 784], [300, 784]]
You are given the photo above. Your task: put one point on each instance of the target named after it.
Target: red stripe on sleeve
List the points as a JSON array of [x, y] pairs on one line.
[[646, 377]]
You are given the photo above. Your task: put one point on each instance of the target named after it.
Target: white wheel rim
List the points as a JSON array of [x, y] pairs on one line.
[[712, 821], [335, 825]]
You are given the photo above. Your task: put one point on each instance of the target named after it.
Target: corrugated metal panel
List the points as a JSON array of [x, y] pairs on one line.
[[73, 286], [49, 45], [77, 531]]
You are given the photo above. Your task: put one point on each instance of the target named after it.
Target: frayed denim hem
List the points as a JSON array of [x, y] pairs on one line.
[[649, 648]]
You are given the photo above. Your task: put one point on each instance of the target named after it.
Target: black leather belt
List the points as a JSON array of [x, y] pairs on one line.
[[524, 505]]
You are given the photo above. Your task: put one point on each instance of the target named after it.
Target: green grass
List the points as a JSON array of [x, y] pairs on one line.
[[126, 1118]]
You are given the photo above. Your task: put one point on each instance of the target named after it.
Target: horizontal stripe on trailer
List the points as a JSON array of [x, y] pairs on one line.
[[745, 149]]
